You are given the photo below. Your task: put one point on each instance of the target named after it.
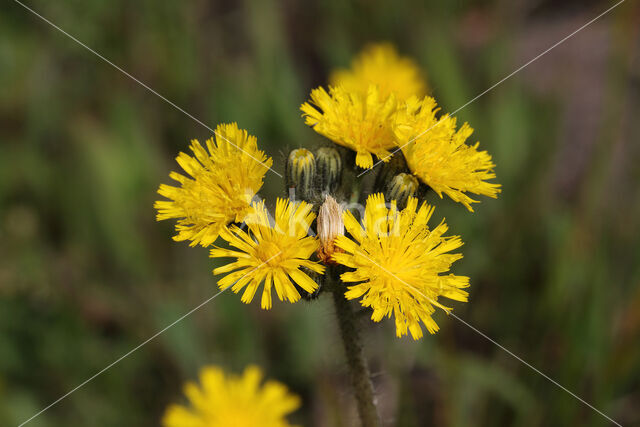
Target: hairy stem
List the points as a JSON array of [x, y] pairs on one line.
[[355, 359]]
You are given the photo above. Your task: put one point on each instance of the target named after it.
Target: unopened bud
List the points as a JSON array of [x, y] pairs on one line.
[[300, 172], [328, 169], [330, 226], [388, 170], [400, 188]]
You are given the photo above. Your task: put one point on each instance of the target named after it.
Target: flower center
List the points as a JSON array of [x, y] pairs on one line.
[[269, 253]]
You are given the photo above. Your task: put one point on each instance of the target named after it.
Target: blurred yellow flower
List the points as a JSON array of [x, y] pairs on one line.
[[233, 401], [219, 186], [356, 120], [400, 263], [381, 65], [437, 154], [270, 253]]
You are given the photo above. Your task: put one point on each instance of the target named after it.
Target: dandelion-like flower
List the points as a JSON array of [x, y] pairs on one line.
[[218, 188], [356, 120], [274, 253], [229, 400], [437, 153], [400, 264], [381, 65]]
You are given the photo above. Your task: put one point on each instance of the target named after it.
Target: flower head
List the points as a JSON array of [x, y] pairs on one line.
[[400, 264], [437, 153], [228, 400], [274, 253], [218, 188], [380, 65], [356, 120]]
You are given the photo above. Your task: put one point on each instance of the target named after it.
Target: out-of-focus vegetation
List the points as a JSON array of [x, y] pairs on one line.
[[86, 273]]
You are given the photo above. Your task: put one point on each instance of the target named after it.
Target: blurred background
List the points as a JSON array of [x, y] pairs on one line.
[[86, 273]]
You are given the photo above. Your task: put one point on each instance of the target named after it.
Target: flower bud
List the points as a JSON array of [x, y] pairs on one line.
[[328, 169], [330, 225], [400, 188], [395, 165], [300, 172]]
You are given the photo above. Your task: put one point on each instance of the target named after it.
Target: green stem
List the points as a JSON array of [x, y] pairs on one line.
[[360, 377]]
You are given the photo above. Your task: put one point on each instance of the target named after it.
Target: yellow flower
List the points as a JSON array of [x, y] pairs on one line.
[[359, 121], [219, 186], [400, 264], [270, 253], [233, 401], [437, 154], [379, 64]]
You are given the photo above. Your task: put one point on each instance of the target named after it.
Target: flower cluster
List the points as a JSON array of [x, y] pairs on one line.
[[374, 115], [386, 255], [219, 197]]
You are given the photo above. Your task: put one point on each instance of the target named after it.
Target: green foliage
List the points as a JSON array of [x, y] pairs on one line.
[[86, 274]]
